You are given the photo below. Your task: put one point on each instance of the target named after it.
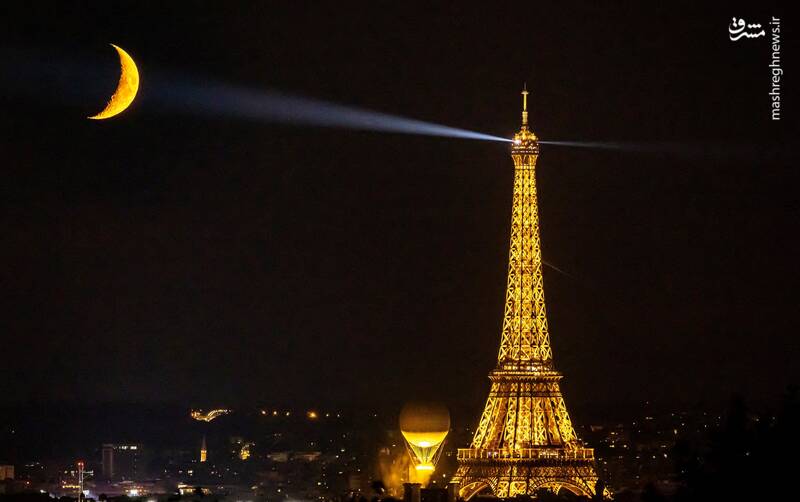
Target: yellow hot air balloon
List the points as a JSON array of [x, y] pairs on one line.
[[424, 427]]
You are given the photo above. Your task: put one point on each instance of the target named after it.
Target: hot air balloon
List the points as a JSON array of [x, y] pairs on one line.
[[424, 427]]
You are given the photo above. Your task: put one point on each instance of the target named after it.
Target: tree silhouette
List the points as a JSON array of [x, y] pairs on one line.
[[744, 458]]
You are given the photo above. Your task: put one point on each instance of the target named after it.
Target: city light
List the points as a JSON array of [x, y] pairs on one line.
[[202, 416]]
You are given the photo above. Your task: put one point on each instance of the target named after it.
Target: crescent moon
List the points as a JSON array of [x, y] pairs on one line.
[[127, 87]]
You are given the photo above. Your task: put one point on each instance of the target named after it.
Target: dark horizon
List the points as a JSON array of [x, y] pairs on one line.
[[165, 258], [58, 434]]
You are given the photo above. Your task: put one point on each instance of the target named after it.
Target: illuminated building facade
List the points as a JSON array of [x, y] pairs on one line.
[[6, 472], [525, 440], [203, 451], [208, 416]]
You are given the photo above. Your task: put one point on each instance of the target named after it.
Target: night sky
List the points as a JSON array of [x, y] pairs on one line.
[[163, 257]]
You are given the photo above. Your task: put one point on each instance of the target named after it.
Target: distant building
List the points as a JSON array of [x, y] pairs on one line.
[[307, 456], [6, 472], [278, 456], [203, 451], [123, 462]]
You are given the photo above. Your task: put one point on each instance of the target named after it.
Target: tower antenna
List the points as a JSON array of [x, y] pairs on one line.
[[525, 104], [80, 480]]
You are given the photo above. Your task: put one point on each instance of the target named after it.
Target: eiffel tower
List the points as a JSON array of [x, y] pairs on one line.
[[525, 440]]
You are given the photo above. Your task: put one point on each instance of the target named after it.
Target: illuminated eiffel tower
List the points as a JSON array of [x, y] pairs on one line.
[[525, 440]]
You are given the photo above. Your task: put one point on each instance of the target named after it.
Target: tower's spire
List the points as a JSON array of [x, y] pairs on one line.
[[525, 141], [524, 104]]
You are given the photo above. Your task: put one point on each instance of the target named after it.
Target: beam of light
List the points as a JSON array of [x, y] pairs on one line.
[[687, 150], [45, 75], [627, 146], [583, 144], [550, 265], [214, 99]]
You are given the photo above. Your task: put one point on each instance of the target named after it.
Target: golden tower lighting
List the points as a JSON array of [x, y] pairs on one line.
[[525, 440]]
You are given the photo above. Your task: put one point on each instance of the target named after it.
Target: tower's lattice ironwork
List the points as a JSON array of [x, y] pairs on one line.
[[525, 440]]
